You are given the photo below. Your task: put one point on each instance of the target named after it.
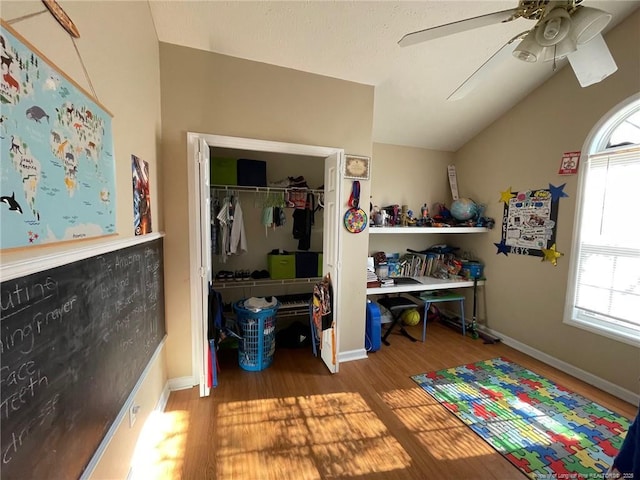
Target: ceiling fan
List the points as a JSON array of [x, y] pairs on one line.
[[563, 29]]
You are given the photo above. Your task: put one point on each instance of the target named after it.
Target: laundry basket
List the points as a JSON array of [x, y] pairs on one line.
[[258, 331]]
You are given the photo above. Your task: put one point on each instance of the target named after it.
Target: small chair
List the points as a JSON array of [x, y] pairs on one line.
[[397, 305]]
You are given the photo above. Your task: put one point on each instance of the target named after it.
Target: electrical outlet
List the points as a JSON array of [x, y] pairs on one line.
[[133, 413]]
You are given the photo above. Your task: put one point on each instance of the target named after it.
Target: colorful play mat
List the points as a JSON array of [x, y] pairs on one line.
[[542, 428]]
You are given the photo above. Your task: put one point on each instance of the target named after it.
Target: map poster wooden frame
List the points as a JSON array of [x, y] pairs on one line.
[[58, 168], [529, 222]]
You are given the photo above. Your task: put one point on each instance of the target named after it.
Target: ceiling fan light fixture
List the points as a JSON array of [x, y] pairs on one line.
[[588, 22], [528, 50], [592, 62], [561, 50], [554, 27]]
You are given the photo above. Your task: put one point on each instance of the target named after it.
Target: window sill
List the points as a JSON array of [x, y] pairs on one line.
[[628, 337]]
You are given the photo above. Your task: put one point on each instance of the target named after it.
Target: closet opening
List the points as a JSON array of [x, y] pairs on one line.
[[285, 234]]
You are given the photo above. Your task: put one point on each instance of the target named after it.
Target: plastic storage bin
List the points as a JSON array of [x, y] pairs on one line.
[[224, 171], [472, 269], [281, 266], [306, 264], [252, 173], [258, 332]]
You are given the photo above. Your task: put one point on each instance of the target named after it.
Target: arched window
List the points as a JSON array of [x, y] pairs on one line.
[[603, 293]]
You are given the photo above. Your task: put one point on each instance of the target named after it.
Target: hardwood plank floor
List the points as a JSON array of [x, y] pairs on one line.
[[370, 421]]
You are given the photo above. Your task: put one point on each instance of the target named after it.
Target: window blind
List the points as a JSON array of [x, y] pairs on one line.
[[608, 270]]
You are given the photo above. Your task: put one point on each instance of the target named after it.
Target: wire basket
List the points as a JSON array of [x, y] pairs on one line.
[[258, 331]]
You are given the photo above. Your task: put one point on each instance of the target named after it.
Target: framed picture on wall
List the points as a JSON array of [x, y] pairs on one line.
[[58, 179], [357, 167]]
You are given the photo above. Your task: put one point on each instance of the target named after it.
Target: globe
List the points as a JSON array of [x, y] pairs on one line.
[[463, 209]]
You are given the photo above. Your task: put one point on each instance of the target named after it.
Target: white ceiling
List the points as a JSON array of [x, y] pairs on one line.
[[357, 41]]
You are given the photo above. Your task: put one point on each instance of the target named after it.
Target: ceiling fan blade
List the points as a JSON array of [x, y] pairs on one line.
[[592, 61], [484, 70], [457, 27]]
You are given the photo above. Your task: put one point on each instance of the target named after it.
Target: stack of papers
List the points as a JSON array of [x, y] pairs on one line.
[[372, 279], [371, 276]]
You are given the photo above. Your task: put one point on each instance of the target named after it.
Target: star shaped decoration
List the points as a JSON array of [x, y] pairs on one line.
[[506, 195], [551, 254], [502, 248], [557, 192]]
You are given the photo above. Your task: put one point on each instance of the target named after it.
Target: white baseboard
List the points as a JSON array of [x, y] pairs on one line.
[[601, 383], [351, 355], [164, 398], [181, 383]]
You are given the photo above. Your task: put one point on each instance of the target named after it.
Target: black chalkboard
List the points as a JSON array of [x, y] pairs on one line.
[[74, 340]]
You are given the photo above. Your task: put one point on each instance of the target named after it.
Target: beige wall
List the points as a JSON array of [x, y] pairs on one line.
[[216, 94], [119, 48], [407, 176], [522, 150]]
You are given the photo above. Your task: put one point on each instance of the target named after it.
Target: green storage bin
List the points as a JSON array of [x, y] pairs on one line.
[[224, 171], [281, 266]]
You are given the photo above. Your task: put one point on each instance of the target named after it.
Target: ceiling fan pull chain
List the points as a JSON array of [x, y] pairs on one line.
[[555, 51]]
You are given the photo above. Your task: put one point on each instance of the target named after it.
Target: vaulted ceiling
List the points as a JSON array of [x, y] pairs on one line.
[[358, 41]]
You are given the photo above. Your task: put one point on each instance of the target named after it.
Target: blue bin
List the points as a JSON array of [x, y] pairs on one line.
[[258, 332], [373, 330]]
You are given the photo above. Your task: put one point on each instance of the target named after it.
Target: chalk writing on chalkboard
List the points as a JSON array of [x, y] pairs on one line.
[[74, 341]]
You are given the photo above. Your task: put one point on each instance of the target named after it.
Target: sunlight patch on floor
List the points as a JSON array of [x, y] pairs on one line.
[[441, 433], [160, 449], [446, 437], [306, 437]]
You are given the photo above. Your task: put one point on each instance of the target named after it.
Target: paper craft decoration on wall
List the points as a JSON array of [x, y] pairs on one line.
[[141, 197], [529, 222], [569, 163], [56, 152]]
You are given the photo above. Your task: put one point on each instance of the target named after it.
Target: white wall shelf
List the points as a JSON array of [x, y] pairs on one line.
[[406, 230]]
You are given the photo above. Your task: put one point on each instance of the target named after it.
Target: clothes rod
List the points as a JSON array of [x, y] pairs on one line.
[[264, 189]]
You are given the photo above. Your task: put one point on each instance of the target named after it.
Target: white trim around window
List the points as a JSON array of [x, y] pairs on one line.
[[612, 257]]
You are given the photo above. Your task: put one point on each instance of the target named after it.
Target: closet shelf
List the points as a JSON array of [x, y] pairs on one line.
[[239, 188], [263, 282]]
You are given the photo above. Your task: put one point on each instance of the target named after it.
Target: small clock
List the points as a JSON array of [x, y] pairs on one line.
[[356, 167], [61, 16]]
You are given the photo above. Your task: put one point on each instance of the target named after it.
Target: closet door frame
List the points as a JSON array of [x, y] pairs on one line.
[[198, 234]]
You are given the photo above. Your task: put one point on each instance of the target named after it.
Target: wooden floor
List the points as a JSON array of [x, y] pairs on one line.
[[370, 421]]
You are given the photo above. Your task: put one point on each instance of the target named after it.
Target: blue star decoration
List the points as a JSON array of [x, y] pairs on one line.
[[557, 192], [502, 248]]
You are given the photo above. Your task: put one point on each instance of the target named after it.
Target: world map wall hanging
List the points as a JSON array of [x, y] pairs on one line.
[[56, 153], [529, 222]]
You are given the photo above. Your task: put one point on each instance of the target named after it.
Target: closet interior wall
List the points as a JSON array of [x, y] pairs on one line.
[[260, 240]]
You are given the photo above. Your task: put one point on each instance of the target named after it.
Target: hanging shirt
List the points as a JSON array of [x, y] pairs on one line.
[[225, 229], [238, 237]]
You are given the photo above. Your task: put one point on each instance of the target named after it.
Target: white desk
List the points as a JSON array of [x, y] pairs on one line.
[[433, 284], [426, 283]]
